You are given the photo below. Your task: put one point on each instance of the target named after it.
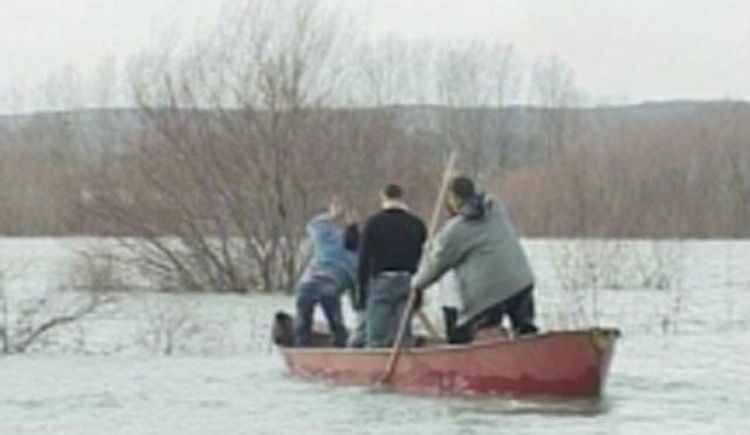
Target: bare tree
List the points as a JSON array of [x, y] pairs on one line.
[[474, 81], [26, 320], [553, 89], [233, 186]]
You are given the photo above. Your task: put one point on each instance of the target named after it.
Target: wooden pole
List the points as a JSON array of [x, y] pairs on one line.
[[406, 317]]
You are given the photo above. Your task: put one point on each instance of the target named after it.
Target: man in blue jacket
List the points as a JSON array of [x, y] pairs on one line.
[[330, 272]]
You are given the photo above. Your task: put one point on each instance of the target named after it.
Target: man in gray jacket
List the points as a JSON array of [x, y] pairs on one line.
[[493, 274]]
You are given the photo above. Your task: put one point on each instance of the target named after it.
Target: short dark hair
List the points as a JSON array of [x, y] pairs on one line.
[[393, 191], [462, 187]]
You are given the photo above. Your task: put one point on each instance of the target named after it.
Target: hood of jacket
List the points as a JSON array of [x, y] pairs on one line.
[[474, 208]]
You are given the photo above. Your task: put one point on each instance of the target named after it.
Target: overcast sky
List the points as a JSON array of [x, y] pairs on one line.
[[620, 50]]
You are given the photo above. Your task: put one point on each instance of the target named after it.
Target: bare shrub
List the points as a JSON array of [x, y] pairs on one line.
[[99, 269], [171, 324], [166, 326], [585, 268], [28, 319], [219, 201]]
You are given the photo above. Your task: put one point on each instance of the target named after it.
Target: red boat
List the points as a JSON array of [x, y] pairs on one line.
[[561, 363]]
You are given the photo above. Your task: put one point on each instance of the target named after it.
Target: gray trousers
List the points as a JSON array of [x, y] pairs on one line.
[[386, 303]]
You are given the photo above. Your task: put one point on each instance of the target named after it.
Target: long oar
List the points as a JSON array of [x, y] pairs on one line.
[[406, 317]]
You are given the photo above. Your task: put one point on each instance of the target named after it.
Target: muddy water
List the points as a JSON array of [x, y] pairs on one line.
[[682, 370]]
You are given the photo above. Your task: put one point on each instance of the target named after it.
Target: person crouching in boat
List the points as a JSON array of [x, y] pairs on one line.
[[494, 275], [391, 247], [326, 277]]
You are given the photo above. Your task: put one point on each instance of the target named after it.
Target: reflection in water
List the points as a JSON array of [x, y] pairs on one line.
[[471, 404], [541, 405]]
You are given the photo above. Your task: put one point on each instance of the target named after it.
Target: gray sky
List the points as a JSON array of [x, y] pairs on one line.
[[620, 50]]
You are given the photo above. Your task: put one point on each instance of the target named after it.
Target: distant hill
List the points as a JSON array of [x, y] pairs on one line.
[[116, 129]]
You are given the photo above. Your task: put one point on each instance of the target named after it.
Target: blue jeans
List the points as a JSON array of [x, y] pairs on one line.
[[309, 294], [386, 303]]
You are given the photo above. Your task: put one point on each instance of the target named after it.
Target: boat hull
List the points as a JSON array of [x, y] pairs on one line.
[[569, 363]]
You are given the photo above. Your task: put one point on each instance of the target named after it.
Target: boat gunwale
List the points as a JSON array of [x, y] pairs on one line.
[[449, 348]]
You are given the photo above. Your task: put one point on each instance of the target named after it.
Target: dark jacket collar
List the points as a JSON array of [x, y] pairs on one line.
[[474, 208]]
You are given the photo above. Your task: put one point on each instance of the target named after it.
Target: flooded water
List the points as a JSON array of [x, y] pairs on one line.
[[682, 365]]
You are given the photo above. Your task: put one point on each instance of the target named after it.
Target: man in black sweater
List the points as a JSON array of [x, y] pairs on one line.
[[389, 255]]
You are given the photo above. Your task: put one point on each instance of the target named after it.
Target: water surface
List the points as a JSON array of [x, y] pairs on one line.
[[688, 374]]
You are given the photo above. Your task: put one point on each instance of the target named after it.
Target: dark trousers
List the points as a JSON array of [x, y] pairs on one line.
[[309, 295], [519, 308]]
